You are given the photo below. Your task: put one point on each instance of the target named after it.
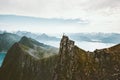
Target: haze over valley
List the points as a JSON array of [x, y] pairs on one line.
[[96, 40]]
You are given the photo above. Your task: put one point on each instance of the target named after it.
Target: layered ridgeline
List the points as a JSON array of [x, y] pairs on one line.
[[7, 40], [37, 49], [72, 63]]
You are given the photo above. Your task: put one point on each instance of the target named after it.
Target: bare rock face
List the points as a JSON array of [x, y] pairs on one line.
[[108, 60], [66, 64], [74, 63]]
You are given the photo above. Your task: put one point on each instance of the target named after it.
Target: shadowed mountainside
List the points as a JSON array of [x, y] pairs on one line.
[[7, 40], [37, 49], [72, 63]]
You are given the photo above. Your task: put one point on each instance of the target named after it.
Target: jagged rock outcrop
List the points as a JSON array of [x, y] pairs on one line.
[[68, 60], [65, 66], [74, 63]]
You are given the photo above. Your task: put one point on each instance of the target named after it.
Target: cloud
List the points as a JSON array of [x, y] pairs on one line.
[[103, 15], [56, 8], [102, 4]]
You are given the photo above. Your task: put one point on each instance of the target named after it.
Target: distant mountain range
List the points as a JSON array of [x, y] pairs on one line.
[[96, 37], [38, 37], [90, 37], [71, 62], [8, 39]]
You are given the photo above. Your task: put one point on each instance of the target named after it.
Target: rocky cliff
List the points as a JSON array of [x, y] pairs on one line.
[[72, 63], [67, 61]]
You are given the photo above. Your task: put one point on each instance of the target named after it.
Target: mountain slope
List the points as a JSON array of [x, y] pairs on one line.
[[31, 43], [7, 40], [37, 49], [76, 64], [72, 63], [23, 66]]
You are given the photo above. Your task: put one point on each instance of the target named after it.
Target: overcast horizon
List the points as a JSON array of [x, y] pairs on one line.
[[60, 16]]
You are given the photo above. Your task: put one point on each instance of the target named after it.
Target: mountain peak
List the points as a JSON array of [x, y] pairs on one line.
[[44, 34], [24, 38], [26, 41], [66, 45], [66, 61]]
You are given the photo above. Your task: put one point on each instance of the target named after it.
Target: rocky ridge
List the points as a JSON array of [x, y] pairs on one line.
[[72, 63]]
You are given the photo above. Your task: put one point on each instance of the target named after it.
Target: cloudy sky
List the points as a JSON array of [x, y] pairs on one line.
[[97, 15]]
